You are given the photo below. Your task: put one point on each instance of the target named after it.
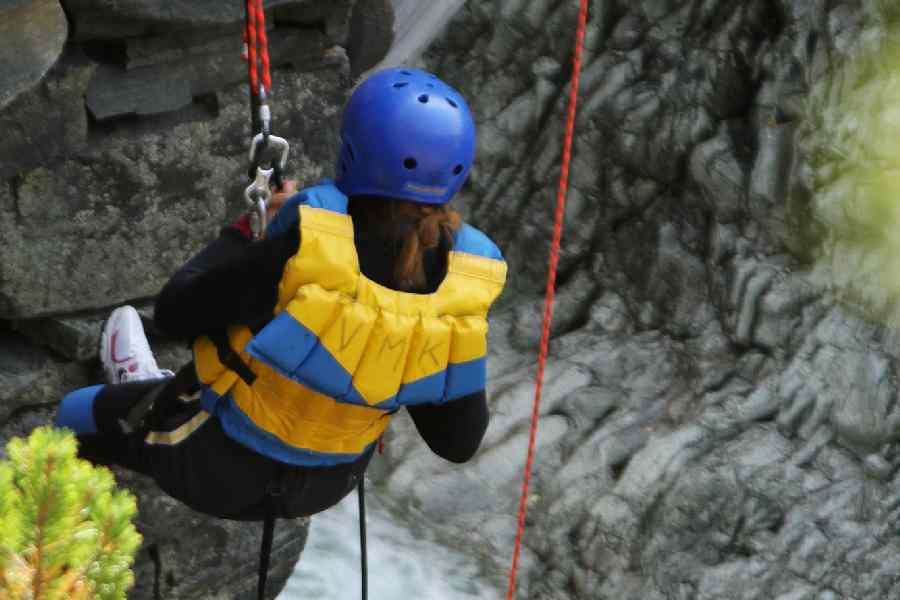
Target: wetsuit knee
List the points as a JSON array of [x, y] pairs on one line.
[[76, 411]]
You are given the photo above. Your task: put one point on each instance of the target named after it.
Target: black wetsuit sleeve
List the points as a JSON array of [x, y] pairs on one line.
[[231, 281], [453, 430]]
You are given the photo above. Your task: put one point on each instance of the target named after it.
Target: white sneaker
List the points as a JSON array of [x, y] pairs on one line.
[[124, 350]]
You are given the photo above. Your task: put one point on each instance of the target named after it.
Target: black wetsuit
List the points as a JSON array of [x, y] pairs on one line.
[[235, 281]]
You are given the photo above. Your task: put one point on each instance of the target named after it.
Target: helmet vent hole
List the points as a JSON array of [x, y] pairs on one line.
[[457, 169], [431, 85], [350, 153], [401, 84], [423, 98], [406, 72], [452, 103], [410, 163]]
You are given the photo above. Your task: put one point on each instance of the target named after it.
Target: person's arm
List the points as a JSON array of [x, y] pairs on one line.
[[233, 280], [453, 430]]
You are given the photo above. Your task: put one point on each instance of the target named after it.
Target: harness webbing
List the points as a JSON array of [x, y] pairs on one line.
[[230, 358], [551, 287], [361, 492], [265, 550]]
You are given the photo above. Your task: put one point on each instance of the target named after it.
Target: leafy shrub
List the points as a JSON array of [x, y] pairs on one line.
[[65, 531]]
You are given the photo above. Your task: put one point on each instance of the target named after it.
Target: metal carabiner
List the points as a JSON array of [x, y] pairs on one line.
[[258, 194], [261, 140]]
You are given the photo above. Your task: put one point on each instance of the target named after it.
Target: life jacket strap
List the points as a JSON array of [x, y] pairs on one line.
[[158, 399], [231, 359]]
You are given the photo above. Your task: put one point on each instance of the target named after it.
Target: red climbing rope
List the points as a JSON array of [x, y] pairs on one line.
[[256, 40], [551, 286]]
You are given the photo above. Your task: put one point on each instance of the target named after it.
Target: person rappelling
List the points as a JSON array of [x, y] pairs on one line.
[[365, 295]]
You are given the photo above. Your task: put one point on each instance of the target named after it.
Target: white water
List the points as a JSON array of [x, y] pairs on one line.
[[417, 24], [404, 559]]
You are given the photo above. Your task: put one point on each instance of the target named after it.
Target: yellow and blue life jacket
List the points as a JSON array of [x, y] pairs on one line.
[[344, 353]]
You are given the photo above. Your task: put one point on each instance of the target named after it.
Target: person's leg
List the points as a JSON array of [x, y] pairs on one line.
[[76, 411], [193, 460], [95, 415]]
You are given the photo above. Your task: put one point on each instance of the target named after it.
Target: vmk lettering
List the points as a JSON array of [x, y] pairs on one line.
[[429, 351], [345, 341], [387, 345]]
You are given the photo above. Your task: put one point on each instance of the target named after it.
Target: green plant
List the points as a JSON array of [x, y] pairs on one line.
[[850, 151], [65, 531]]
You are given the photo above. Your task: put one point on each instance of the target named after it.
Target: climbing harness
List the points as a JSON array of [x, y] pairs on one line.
[[264, 144], [551, 287]]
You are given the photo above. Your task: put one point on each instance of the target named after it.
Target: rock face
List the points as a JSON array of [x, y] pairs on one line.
[[32, 34], [172, 180], [173, 189], [715, 424]]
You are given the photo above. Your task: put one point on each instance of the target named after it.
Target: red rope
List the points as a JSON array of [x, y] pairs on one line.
[[263, 46], [551, 286], [256, 40]]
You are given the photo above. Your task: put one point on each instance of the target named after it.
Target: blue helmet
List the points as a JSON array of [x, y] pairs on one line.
[[408, 135]]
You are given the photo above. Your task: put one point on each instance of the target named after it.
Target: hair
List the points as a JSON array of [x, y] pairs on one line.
[[416, 227]]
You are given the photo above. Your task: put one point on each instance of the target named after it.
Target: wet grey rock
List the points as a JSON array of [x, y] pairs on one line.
[[73, 338], [28, 375], [771, 174], [110, 19], [179, 46], [32, 34], [167, 86], [720, 175], [46, 122], [371, 34], [331, 17], [720, 413], [146, 179]]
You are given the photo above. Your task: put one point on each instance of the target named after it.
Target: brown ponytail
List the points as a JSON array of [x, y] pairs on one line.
[[414, 227], [431, 222]]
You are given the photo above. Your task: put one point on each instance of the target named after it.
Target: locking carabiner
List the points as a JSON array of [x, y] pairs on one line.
[[259, 192], [257, 196]]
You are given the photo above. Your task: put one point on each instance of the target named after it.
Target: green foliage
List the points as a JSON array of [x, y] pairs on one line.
[[65, 532], [851, 149]]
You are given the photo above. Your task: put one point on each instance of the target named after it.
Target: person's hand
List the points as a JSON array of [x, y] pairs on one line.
[[279, 197]]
